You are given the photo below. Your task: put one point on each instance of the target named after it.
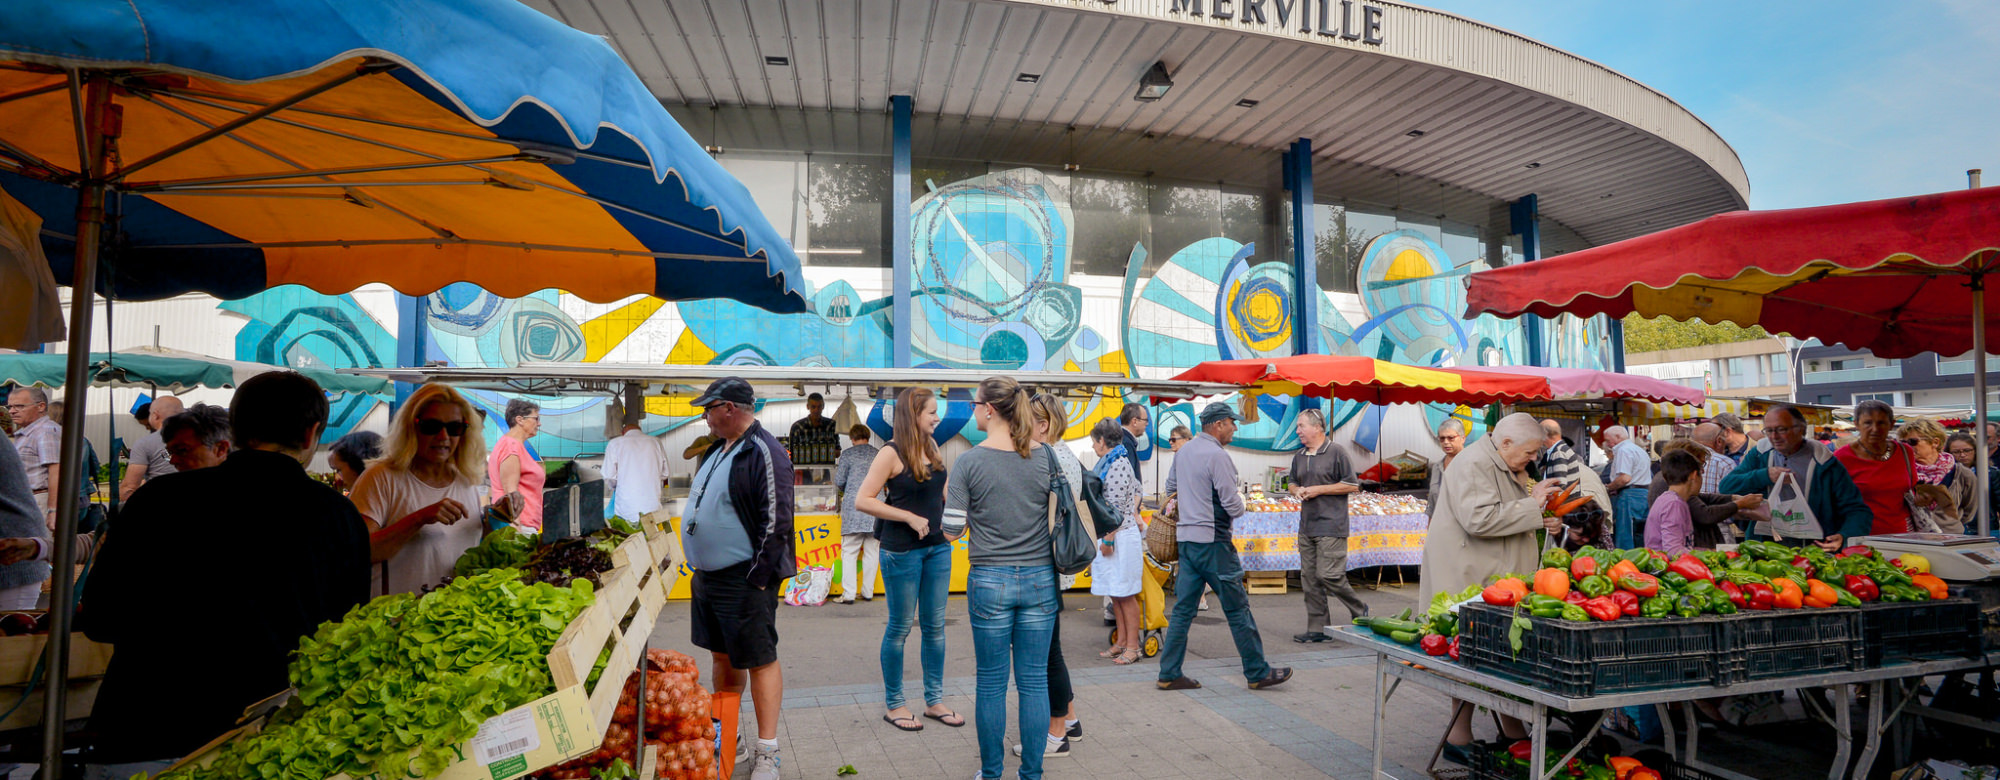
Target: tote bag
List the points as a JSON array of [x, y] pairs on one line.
[[1069, 540], [1791, 517]]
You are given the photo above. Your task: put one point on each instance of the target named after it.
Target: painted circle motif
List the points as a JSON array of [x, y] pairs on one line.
[[1256, 308]]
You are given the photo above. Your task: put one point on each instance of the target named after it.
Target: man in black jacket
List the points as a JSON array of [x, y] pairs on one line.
[[738, 531], [213, 576]]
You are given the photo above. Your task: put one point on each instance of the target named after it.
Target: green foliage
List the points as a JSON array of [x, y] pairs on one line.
[[502, 549], [1651, 335], [394, 686]]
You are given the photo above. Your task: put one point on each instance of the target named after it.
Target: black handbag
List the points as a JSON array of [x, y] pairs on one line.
[[1104, 517], [1070, 541]]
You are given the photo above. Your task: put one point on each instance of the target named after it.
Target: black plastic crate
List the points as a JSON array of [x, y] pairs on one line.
[[1784, 643], [1920, 630], [1576, 660]]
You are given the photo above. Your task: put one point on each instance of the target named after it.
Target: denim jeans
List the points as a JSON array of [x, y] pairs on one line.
[[1215, 564], [1630, 517], [1013, 612], [916, 584]]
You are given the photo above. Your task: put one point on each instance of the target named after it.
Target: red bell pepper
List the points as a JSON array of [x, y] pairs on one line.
[[1690, 567], [1863, 588], [1628, 604], [1799, 562], [1603, 608], [1575, 597], [1451, 650], [1643, 773], [1582, 566], [1861, 550], [1732, 555], [1434, 644], [1500, 596], [1757, 595], [1734, 592], [1522, 750], [1640, 584]]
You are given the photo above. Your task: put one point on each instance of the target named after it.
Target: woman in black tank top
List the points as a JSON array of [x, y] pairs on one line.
[[916, 557]]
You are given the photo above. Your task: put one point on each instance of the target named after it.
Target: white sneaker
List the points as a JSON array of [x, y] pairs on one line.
[[764, 764], [1061, 751]]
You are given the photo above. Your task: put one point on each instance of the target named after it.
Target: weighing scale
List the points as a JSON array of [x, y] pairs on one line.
[[1952, 557]]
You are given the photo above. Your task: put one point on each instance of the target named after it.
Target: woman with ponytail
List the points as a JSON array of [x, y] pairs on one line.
[[998, 496]]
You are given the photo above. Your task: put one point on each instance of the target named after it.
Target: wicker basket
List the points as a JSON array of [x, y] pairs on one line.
[[1162, 535]]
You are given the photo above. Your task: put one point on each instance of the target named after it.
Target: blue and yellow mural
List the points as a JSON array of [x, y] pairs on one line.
[[993, 288]]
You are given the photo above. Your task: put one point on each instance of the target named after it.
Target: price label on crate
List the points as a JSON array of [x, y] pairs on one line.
[[506, 736]]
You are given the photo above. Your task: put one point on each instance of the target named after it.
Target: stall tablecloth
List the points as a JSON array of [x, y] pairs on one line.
[[1269, 541]]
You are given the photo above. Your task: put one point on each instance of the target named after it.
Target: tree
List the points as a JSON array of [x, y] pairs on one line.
[[1658, 333]]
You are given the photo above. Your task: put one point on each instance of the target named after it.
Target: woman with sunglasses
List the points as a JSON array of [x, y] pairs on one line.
[[422, 500], [1965, 450], [1937, 466], [512, 471]]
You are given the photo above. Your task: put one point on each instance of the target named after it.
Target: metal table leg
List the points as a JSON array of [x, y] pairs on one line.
[[1844, 730], [1381, 705], [1873, 737], [1538, 744]]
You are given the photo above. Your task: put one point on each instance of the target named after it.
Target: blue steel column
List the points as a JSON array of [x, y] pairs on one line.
[[1617, 333], [899, 227], [1298, 176], [1523, 218], [410, 341]]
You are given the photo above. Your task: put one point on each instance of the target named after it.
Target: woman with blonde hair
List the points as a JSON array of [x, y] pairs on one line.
[[1936, 466], [422, 500], [998, 497], [916, 558], [1050, 420]]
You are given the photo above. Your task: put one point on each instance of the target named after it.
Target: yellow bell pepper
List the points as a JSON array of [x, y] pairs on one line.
[[1912, 563]]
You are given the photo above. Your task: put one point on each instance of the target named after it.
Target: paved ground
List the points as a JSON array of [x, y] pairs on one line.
[[1317, 725]]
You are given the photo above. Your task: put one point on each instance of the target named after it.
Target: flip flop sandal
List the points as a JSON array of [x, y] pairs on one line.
[[898, 723], [941, 719], [1127, 658]]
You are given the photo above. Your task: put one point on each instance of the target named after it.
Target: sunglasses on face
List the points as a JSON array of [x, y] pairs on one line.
[[434, 427]]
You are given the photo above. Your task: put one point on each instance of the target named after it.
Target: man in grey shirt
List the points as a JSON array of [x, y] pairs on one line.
[[1321, 481], [1204, 481], [149, 453]]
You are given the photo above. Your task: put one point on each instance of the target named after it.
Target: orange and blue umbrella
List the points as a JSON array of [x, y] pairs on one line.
[[334, 143]]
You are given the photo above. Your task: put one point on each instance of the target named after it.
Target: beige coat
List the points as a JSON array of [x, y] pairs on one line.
[[1482, 524]]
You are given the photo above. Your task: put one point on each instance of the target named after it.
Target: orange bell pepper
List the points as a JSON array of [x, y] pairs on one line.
[[1930, 582], [1789, 595], [1819, 595], [1622, 766], [1553, 583], [1623, 567], [1514, 584]]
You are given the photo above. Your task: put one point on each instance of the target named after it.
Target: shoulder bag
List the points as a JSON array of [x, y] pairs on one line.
[[1069, 540]]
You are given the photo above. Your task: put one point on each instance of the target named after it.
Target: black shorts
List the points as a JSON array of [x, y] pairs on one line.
[[734, 619]]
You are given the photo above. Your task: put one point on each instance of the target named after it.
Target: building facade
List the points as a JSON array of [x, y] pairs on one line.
[[1745, 369], [1841, 377], [1128, 186]]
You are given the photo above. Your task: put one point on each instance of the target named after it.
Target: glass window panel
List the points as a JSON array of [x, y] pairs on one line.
[[846, 198]]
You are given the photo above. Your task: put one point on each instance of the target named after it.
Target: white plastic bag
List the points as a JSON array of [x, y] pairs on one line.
[[808, 588], [1791, 517]]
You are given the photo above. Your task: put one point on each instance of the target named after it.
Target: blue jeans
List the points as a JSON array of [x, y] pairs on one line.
[[1216, 564], [916, 582], [1629, 516], [1013, 612]]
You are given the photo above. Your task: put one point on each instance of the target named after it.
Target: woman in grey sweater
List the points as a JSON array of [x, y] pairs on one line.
[[998, 496]]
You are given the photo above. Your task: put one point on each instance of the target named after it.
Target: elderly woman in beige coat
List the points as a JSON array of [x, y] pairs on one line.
[[1482, 524]]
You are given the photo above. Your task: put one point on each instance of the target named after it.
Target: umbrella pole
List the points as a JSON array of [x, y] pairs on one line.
[[95, 98], [1985, 474]]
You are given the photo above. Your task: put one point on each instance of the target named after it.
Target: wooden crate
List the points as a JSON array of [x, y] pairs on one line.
[[1265, 582], [570, 722], [19, 655]]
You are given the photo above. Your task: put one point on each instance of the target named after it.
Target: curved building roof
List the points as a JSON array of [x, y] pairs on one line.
[[1406, 106]]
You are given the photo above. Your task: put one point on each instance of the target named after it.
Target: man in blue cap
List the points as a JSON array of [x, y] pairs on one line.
[[738, 531], [1205, 485]]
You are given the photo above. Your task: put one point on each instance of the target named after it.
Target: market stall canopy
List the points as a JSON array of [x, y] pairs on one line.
[[1361, 379], [169, 370], [771, 381], [333, 143], [1640, 412], [1579, 383], [1895, 277]]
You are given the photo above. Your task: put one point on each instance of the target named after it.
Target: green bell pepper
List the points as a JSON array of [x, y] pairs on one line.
[[1722, 606], [1544, 607], [1774, 570], [1656, 607], [1689, 606], [1651, 565], [1574, 612], [1673, 581], [1703, 587], [1556, 558], [1634, 555], [1596, 585], [1844, 597]]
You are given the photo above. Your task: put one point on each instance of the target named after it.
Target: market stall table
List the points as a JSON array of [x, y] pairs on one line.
[[1383, 530], [1532, 704]]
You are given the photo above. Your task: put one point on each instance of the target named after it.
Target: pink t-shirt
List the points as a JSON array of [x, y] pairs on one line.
[[1670, 526], [532, 478]]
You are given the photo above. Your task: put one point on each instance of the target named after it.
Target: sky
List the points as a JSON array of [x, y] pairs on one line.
[[1829, 101]]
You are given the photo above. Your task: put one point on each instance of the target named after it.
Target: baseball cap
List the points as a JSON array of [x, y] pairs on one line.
[[699, 446], [729, 388], [1217, 411]]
